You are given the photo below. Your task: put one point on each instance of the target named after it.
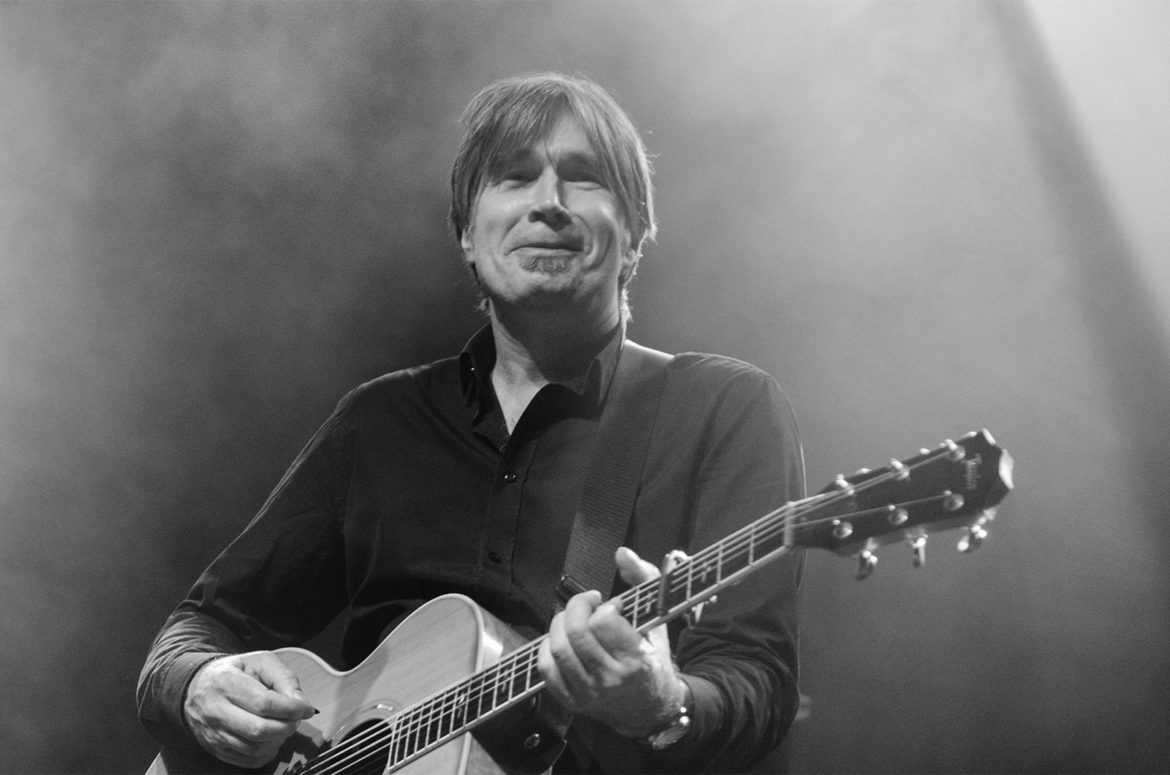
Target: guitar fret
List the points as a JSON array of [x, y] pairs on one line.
[[508, 684], [407, 734], [476, 691], [645, 599], [495, 687], [397, 747]]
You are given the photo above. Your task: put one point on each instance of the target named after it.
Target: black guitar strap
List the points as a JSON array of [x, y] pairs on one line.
[[611, 484]]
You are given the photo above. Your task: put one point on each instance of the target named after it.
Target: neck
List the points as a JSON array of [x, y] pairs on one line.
[[532, 353], [547, 348]]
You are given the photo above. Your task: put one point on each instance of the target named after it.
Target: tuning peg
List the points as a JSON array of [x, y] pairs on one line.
[[842, 484], [917, 543], [972, 538], [975, 533], [866, 560], [896, 515]]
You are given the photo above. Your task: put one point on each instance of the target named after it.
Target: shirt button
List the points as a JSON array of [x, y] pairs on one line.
[[510, 476], [495, 557]]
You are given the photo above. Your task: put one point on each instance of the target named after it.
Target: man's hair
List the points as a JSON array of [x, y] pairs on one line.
[[517, 113]]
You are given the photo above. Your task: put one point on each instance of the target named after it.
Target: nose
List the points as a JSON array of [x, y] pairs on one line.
[[548, 203]]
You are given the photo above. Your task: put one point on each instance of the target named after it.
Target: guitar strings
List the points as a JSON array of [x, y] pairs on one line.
[[418, 718], [521, 663]]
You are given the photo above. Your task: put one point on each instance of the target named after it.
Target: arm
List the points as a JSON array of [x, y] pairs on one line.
[[277, 584], [741, 656], [731, 454]]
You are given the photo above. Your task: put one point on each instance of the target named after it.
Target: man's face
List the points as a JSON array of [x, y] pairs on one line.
[[548, 235]]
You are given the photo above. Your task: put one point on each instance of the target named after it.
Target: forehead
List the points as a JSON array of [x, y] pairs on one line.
[[565, 140]]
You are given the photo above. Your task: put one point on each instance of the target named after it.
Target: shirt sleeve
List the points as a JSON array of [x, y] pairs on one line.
[[740, 657], [277, 584]]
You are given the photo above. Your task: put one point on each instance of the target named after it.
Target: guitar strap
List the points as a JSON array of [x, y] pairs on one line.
[[611, 484]]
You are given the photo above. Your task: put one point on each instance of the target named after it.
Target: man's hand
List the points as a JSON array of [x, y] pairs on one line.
[[596, 664], [242, 707]]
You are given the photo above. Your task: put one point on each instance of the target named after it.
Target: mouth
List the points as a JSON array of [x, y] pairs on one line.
[[549, 241], [552, 246]]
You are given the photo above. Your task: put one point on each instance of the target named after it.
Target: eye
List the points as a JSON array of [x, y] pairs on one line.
[[584, 173], [516, 172], [511, 178]]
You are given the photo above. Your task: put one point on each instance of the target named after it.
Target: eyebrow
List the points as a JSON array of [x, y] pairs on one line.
[[570, 160], [573, 157]]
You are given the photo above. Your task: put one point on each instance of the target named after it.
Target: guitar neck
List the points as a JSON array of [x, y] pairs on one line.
[[700, 577]]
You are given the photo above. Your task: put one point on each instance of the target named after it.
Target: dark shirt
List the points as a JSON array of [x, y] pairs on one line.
[[413, 488]]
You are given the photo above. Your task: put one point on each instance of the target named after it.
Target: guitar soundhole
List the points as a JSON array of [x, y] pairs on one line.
[[360, 752]]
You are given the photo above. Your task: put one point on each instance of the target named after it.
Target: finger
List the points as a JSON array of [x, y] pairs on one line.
[[268, 669], [252, 728], [246, 695], [614, 636], [567, 644], [559, 666], [283, 698], [632, 568], [551, 673], [579, 613], [251, 686], [236, 736]]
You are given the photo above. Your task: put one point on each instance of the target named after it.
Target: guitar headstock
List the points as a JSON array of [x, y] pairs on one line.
[[957, 484]]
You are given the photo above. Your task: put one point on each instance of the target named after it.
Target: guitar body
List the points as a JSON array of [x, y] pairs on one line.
[[442, 642]]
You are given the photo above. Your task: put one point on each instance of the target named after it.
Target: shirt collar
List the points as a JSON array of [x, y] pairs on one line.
[[479, 357]]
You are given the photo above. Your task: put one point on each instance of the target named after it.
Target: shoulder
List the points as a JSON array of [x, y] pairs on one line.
[[718, 389], [708, 373], [433, 383]]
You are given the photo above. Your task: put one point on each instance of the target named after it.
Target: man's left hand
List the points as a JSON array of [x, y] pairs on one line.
[[596, 664]]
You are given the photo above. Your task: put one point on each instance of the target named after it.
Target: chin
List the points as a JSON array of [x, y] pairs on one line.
[[550, 265]]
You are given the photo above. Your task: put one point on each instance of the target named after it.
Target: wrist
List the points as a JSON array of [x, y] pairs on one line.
[[187, 702]]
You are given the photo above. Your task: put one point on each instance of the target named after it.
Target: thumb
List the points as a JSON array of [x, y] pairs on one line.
[[632, 568]]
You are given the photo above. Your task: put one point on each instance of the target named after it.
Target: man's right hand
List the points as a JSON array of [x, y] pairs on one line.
[[242, 707]]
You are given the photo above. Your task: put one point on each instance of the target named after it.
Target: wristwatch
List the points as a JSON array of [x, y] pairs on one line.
[[679, 725]]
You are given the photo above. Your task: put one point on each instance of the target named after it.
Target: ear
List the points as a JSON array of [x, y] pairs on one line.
[[630, 257], [465, 243], [629, 266]]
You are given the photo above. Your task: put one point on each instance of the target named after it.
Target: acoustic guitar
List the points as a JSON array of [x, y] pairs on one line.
[[451, 667]]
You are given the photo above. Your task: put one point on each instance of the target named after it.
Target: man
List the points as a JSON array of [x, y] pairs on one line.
[[464, 476]]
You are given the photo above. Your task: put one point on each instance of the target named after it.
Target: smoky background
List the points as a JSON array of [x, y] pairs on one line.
[[922, 218]]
